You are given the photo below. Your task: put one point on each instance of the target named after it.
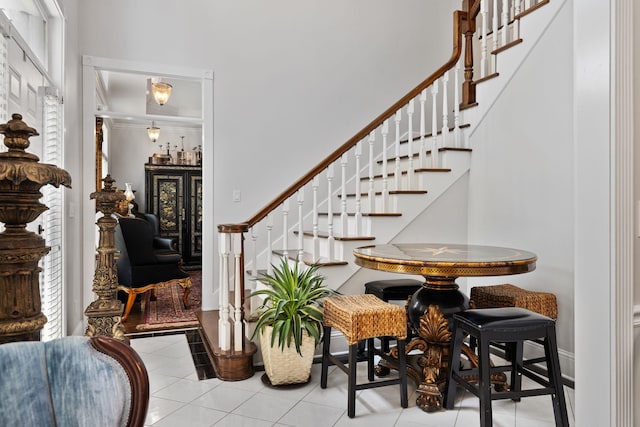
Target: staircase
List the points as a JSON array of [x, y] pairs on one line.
[[381, 181]]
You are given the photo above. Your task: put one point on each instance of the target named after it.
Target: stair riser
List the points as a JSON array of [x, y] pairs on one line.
[[446, 159], [366, 225]]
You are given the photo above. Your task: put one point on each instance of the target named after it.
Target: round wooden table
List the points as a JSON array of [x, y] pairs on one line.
[[432, 306]]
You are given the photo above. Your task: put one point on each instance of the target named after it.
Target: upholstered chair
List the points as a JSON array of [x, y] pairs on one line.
[[142, 265], [72, 381]]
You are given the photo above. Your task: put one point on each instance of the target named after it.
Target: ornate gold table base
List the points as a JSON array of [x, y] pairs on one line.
[[429, 368]]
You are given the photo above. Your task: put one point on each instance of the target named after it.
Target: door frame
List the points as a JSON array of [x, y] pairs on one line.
[[91, 64]]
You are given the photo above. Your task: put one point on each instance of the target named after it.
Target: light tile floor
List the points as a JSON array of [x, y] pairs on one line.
[[178, 398]]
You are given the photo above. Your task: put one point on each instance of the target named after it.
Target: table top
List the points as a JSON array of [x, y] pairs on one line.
[[445, 259]]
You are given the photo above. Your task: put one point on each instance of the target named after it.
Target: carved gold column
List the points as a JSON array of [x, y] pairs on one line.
[[105, 313], [21, 177]]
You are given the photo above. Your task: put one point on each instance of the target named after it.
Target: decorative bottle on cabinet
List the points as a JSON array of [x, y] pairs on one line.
[[174, 194]]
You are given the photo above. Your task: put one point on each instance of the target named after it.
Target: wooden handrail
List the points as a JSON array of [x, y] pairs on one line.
[[458, 17]]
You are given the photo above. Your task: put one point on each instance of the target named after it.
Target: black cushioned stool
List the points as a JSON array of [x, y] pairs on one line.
[[392, 290], [363, 317], [512, 326]]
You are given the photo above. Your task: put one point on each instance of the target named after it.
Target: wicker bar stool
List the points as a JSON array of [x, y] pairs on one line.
[[364, 317], [512, 326], [508, 295], [392, 290]]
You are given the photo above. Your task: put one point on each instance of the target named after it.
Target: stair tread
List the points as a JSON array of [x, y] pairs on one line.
[[417, 170], [487, 77], [373, 214], [325, 235], [428, 152], [379, 193], [306, 258], [506, 46], [429, 135]]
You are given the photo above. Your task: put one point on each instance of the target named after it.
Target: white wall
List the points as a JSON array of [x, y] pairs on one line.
[[74, 291], [636, 104], [521, 181], [130, 148]]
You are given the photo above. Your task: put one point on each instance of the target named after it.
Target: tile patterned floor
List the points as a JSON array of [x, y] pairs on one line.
[[180, 398]]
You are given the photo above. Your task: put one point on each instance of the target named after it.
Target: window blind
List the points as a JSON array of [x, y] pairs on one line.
[[51, 280]]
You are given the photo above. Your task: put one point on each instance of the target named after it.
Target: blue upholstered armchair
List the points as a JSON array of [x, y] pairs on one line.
[[72, 381]]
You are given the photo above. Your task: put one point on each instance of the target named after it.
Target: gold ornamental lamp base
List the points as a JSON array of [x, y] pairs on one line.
[[21, 177]]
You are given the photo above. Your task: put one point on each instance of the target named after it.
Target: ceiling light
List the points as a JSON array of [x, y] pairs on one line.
[[153, 132], [161, 92]]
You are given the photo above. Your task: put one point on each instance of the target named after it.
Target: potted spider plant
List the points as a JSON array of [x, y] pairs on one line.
[[290, 321]]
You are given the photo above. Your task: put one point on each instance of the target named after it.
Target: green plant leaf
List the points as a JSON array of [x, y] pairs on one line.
[[292, 304]]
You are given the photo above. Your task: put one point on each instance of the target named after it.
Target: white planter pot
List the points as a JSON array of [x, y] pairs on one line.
[[286, 367]]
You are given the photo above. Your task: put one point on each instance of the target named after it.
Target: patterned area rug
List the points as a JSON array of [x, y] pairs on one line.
[[167, 311]]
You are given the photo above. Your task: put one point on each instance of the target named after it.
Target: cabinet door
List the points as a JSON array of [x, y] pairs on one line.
[[168, 204], [195, 217]]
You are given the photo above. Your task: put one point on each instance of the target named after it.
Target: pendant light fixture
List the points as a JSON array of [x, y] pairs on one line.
[[153, 132], [161, 91]]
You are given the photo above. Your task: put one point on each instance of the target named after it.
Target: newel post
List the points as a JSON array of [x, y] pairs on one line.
[[471, 8], [105, 313], [233, 356]]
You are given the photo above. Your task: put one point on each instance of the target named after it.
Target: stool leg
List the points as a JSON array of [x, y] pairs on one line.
[[326, 346], [473, 343], [555, 378], [370, 354], [516, 366], [404, 400], [351, 389], [454, 366], [384, 344], [484, 382]]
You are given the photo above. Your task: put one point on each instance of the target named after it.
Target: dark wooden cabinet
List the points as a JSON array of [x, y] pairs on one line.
[[174, 194]]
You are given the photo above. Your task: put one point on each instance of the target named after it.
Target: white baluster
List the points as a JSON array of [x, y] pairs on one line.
[[434, 125], [445, 110], [224, 327], [505, 21], [527, 4], [396, 171], [300, 227], [358, 215], [456, 106], [269, 226], [385, 183], [330, 238], [254, 255], [411, 170], [285, 228], [254, 301], [516, 22], [316, 241], [344, 217], [423, 130], [238, 325], [371, 194], [483, 42], [495, 25]]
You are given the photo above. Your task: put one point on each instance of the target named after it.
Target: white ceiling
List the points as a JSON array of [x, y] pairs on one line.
[[128, 95]]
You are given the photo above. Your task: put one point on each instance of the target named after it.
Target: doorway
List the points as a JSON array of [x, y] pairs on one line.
[[117, 95]]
